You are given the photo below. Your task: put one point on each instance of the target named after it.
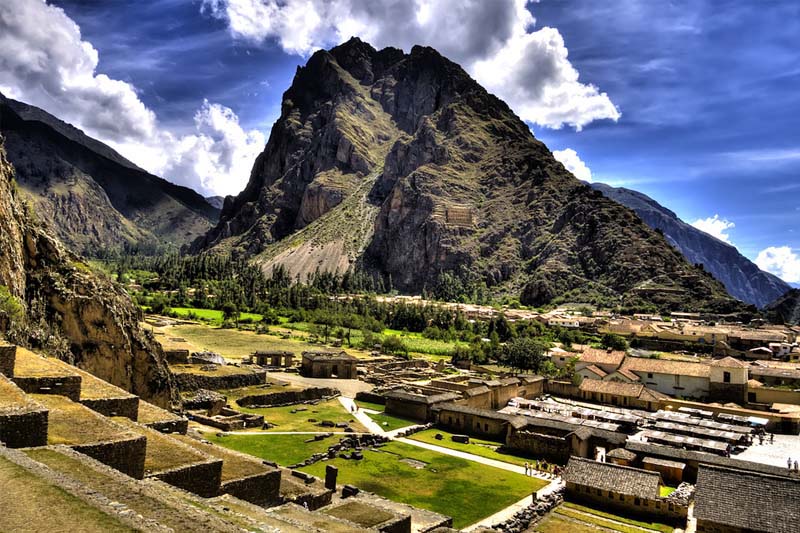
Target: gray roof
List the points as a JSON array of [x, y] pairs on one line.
[[488, 413], [621, 453], [329, 356], [421, 398], [747, 500], [611, 477]]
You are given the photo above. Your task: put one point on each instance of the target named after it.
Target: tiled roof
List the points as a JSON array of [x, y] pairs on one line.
[[602, 357], [728, 362], [612, 477], [596, 371], [628, 374], [621, 453], [399, 394], [665, 366], [747, 500], [618, 388]]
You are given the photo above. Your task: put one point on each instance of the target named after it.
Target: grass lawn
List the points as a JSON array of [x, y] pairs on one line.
[[559, 524], [369, 405], [666, 491], [31, 504], [212, 315], [283, 449], [389, 422], [465, 490], [285, 420], [484, 448], [598, 517]]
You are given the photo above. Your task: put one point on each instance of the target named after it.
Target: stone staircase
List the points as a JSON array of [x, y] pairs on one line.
[[129, 466]]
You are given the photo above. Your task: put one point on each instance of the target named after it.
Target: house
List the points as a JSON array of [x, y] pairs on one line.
[[272, 358], [727, 380], [606, 360], [633, 395], [560, 357], [329, 365], [675, 378], [416, 405], [591, 372], [732, 500], [623, 488], [623, 375]]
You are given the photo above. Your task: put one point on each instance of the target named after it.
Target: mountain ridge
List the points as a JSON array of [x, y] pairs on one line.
[[741, 277], [406, 168]]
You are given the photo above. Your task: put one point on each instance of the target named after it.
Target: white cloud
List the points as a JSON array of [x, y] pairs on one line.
[[495, 41], [569, 158], [45, 62], [781, 261], [715, 226]]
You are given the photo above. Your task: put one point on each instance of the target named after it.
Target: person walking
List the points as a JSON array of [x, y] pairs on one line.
[[789, 464], [526, 468]]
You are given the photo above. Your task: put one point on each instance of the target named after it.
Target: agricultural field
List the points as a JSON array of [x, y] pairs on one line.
[[465, 490], [211, 315], [283, 449]]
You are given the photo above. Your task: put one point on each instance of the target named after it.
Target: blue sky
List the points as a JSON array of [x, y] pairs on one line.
[[695, 103]]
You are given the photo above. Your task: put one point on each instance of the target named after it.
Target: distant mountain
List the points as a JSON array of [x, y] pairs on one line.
[[403, 167], [743, 279], [90, 196], [216, 201], [786, 309]]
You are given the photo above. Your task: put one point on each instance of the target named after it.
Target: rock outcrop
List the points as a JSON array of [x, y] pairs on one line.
[[786, 309], [741, 277], [63, 298], [439, 187], [95, 199]]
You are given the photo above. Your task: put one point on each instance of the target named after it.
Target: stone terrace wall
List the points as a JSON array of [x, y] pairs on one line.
[[671, 512], [24, 429], [126, 406], [8, 357], [288, 397], [550, 447], [191, 382], [179, 425], [202, 479], [398, 525], [260, 489], [126, 455], [69, 386]]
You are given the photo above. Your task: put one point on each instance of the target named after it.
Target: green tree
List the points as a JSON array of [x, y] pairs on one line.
[[394, 345], [525, 353], [10, 305], [230, 312], [614, 342]]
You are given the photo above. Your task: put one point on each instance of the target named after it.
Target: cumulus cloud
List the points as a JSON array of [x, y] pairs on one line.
[[569, 158], [495, 41], [715, 226], [781, 261], [45, 62]]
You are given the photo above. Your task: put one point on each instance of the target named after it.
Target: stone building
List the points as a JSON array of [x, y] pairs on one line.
[[737, 501], [417, 406], [272, 358], [329, 365], [675, 378], [728, 380]]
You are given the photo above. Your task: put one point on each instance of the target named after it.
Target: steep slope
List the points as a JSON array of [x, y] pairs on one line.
[[402, 165], [786, 309], [85, 318], [741, 277], [88, 195]]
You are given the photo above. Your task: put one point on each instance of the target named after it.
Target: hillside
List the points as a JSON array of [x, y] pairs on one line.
[[403, 166], [741, 277], [785, 309], [50, 299], [87, 194]]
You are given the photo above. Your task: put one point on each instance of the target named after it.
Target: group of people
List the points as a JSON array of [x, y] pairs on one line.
[[789, 465], [530, 468]]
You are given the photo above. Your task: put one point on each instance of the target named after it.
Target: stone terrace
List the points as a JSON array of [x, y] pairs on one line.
[[23, 422]]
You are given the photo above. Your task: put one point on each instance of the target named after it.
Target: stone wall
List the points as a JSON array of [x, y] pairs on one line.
[[401, 524], [260, 489], [225, 424], [370, 397], [24, 429], [69, 386], [202, 479], [125, 406], [276, 399], [188, 381], [8, 357], [492, 425], [668, 511], [550, 447], [126, 455], [179, 425], [405, 409]]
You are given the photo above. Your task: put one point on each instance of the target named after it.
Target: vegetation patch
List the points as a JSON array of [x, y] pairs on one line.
[[306, 417], [390, 422], [598, 517], [483, 448], [283, 449]]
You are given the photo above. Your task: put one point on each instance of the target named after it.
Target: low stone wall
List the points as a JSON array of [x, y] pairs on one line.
[[223, 424], [550, 447], [125, 406], [401, 524], [8, 358], [671, 512], [180, 425], [202, 479], [69, 386], [127, 455], [260, 489], [22, 429], [188, 381], [370, 397], [277, 399], [314, 500]]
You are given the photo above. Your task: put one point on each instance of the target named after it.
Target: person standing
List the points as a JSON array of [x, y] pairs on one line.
[[789, 464], [527, 467]]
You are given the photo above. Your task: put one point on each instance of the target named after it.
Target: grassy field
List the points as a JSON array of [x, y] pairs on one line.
[[601, 518], [369, 405], [285, 420], [31, 504], [389, 422], [212, 315], [283, 449], [465, 490], [560, 524], [483, 448]]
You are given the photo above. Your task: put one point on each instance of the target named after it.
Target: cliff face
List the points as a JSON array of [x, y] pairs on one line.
[[741, 277], [95, 199], [786, 309], [94, 316], [402, 165]]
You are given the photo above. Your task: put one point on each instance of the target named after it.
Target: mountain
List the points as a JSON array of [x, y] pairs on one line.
[[87, 194], [785, 309], [402, 166], [216, 201], [52, 300], [741, 277]]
